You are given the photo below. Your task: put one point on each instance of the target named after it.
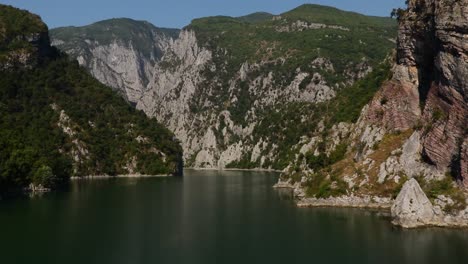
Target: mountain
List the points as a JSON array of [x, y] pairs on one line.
[[256, 17], [247, 92], [408, 151], [57, 121], [118, 52]]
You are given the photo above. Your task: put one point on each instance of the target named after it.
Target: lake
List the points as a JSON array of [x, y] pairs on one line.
[[207, 217]]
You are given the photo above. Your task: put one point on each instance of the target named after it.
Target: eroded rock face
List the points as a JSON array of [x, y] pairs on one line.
[[447, 100], [429, 88], [120, 66], [120, 53], [464, 163], [170, 92], [396, 106], [412, 208]]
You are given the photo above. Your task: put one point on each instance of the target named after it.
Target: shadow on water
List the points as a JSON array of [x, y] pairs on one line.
[[207, 217]]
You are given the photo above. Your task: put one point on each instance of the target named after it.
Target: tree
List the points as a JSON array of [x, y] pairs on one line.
[[398, 13], [44, 176]]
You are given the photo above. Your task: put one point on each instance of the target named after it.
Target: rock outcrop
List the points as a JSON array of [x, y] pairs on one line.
[[27, 47], [429, 89], [412, 208], [464, 164]]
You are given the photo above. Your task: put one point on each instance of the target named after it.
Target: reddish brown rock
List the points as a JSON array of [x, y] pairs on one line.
[[446, 121], [396, 106], [431, 72], [464, 163], [446, 110]]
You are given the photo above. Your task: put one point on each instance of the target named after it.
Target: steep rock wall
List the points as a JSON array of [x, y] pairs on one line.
[[429, 89], [120, 53]]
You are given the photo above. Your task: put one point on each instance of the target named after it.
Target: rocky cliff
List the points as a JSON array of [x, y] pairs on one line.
[[118, 52], [413, 128], [431, 77], [244, 92]]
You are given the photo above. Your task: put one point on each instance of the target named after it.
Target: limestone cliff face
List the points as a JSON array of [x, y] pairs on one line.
[[118, 52], [183, 94], [221, 95], [169, 94]]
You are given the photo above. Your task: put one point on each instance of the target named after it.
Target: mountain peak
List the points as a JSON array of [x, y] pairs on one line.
[[256, 17]]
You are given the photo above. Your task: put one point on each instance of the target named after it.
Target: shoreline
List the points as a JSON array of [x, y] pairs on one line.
[[345, 201], [233, 169], [97, 177], [91, 177], [382, 204]]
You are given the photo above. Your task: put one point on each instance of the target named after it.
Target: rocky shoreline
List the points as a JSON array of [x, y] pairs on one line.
[[411, 208], [367, 202]]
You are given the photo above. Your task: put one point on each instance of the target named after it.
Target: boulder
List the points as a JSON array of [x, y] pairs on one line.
[[412, 208]]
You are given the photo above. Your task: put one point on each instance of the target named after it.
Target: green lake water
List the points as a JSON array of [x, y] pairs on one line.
[[207, 217]]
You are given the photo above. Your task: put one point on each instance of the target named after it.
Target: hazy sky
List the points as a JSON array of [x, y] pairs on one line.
[[178, 13]]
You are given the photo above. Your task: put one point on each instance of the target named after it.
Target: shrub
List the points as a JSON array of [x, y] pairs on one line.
[[45, 177]]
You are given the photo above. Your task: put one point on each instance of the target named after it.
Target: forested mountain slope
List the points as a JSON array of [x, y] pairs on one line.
[[57, 121]]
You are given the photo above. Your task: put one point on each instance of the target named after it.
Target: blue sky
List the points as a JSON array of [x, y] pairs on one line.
[[178, 13]]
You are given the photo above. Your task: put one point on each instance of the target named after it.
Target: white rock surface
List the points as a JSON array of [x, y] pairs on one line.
[[412, 208]]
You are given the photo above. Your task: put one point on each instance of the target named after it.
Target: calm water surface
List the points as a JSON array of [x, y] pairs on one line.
[[206, 217]]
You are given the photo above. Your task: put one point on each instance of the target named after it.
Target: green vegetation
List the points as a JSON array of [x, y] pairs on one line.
[[15, 26], [245, 41], [279, 50], [322, 160], [446, 187], [330, 15], [256, 17], [244, 163], [398, 13], [34, 147], [321, 186], [286, 124]]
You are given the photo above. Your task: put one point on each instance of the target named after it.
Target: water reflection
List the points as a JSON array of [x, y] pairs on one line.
[[207, 217]]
